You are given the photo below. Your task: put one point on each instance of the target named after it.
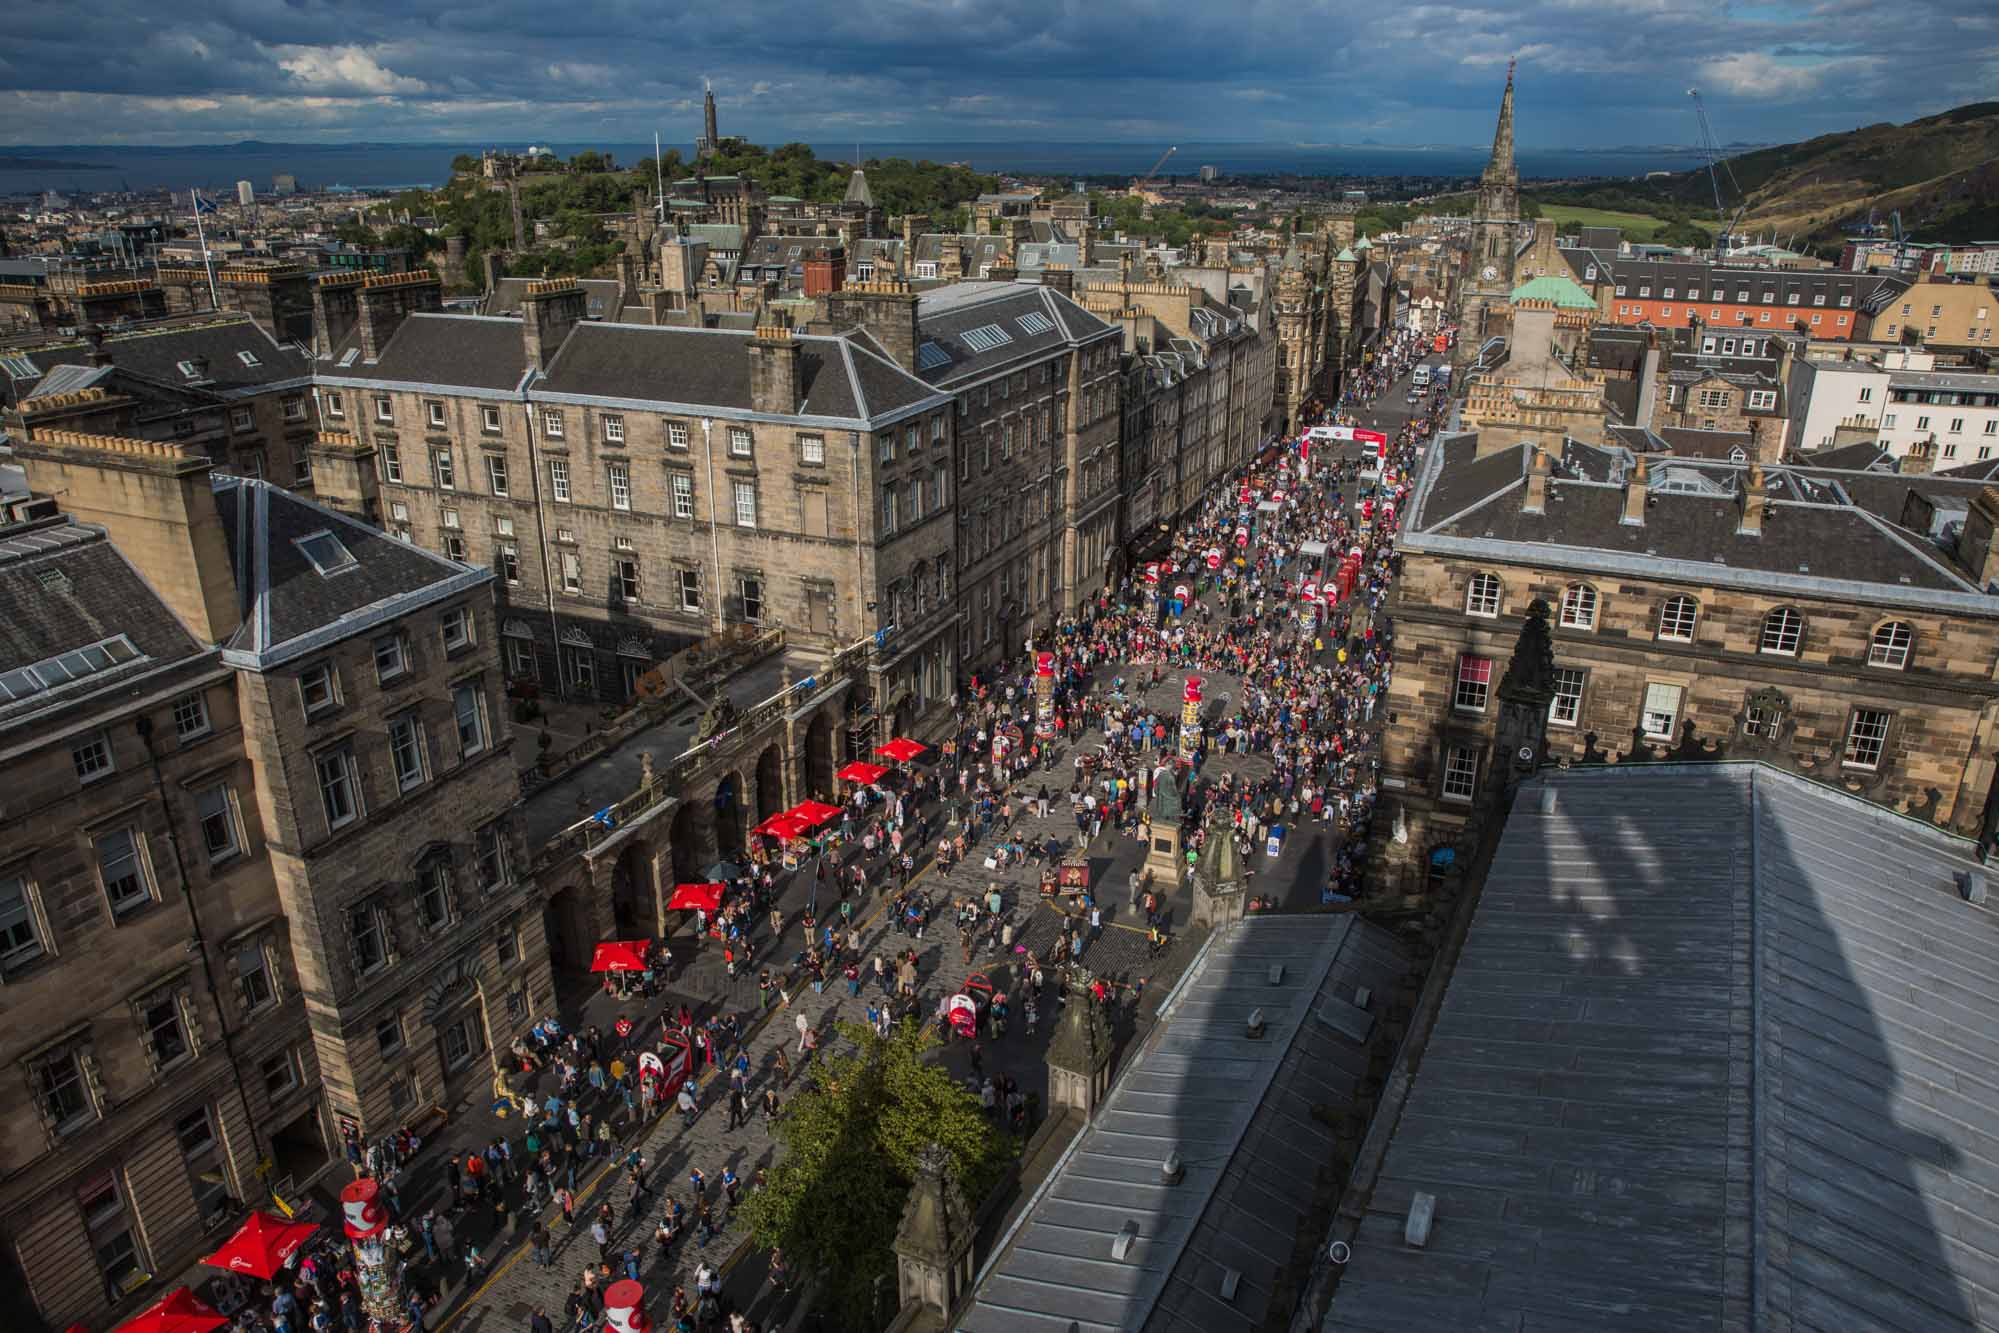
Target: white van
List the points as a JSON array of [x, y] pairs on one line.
[[1421, 379]]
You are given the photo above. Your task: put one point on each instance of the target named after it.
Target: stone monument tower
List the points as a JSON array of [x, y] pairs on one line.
[[1486, 280], [933, 1244], [1221, 882]]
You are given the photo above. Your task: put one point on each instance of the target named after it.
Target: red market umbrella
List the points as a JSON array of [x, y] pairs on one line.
[[811, 814], [262, 1245], [179, 1312], [901, 749], [783, 825], [693, 897], [620, 956], [863, 772]]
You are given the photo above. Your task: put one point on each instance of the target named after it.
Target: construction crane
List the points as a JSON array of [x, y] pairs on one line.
[[1716, 166], [1146, 179]]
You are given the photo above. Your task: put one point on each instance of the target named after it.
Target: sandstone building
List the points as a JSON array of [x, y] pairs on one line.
[[262, 883], [1835, 623], [1493, 244]]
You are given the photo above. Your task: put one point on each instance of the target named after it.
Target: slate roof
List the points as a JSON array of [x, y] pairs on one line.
[[1766, 286], [1862, 457], [1826, 533], [711, 368], [452, 351], [290, 607], [946, 315], [63, 586], [601, 295], [156, 353], [1717, 1055], [1239, 1113]]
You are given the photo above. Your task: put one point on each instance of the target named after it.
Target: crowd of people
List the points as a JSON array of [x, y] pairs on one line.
[[1271, 593]]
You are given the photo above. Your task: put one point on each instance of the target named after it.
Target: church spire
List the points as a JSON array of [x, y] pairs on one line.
[[1501, 167]]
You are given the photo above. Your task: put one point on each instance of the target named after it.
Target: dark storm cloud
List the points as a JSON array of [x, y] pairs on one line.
[[1591, 72]]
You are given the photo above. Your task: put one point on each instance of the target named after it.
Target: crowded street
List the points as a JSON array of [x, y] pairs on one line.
[[1262, 624]]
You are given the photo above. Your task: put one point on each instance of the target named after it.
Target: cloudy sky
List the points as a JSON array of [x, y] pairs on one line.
[[1593, 73]]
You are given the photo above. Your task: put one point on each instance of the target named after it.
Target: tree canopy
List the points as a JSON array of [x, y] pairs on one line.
[[852, 1139]]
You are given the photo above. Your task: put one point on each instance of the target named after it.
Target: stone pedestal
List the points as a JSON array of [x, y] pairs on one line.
[[933, 1243], [1163, 849], [1221, 882]]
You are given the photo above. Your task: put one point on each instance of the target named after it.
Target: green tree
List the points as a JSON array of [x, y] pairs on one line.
[[590, 160], [356, 232], [465, 164], [851, 1144]]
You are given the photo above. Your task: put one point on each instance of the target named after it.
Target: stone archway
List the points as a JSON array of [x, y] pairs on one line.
[[729, 794], [565, 922], [770, 783], [684, 840], [635, 896], [818, 754]]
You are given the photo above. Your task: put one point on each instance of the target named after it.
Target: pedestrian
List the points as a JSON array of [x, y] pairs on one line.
[[538, 1322], [602, 1235], [538, 1243], [804, 1026]]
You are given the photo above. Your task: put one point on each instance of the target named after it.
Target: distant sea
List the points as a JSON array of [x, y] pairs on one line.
[[394, 166]]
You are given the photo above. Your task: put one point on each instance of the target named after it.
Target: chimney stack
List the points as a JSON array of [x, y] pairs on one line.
[[550, 308], [387, 299], [1635, 490], [1060, 277], [1921, 458], [886, 309], [1977, 544], [158, 505], [93, 337], [913, 226], [1540, 466], [1754, 502], [774, 365], [336, 308]]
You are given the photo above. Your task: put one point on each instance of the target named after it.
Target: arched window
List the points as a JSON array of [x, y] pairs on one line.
[[1579, 606], [1676, 619], [1482, 595], [1782, 631], [1891, 644]]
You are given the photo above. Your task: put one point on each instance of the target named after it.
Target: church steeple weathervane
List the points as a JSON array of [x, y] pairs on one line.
[[1501, 169]]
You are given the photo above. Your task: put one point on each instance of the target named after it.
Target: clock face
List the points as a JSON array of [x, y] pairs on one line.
[[1488, 272]]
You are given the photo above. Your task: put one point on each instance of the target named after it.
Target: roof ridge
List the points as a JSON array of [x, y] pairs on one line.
[[853, 380]]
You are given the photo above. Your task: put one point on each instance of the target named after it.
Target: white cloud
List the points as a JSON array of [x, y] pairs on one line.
[[1753, 75], [1256, 94], [343, 69]]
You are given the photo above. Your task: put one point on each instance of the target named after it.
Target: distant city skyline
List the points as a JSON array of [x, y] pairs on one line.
[[1309, 71]]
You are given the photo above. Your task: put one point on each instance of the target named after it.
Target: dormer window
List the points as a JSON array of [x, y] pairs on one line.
[[248, 358], [188, 369], [326, 552]]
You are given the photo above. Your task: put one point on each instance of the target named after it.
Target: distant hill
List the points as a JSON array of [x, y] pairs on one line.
[[1941, 173]]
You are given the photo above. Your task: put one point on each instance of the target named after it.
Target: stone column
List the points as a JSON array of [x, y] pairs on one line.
[[1221, 882], [1079, 1056], [933, 1244], [1163, 851]]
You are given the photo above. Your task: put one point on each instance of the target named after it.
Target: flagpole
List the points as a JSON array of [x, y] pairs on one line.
[[207, 261]]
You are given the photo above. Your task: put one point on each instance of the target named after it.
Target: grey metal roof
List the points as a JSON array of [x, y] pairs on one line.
[[1718, 1054], [1238, 1111], [68, 379], [988, 327]]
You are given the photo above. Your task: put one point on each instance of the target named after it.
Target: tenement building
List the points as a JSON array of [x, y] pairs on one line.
[[1833, 623], [261, 884], [1034, 381], [637, 488]]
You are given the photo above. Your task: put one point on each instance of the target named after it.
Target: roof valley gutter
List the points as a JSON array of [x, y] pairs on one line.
[[1758, 1291]]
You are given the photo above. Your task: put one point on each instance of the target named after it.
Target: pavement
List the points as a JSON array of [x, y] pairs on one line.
[[511, 1286]]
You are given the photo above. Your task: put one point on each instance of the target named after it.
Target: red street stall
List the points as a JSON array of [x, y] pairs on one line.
[[861, 772], [262, 1245], [696, 898], [901, 749], [809, 815], [666, 1072], [620, 956], [179, 1311]]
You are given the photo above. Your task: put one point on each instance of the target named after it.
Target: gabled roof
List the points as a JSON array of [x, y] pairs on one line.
[[1717, 1054], [242, 358], [1561, 292], [600, 296], [290, 607], [1239, 1112]]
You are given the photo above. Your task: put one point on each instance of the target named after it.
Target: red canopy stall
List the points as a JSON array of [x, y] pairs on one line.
[[262, 1245], [902, 749], [862, 772], [696, 897], [180, 1311], [620, 956], [811, 814]]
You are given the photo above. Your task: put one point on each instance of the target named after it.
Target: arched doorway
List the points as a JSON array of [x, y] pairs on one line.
[[681, 836], [634, 897], [819, 755], [567, 928], [729, 814], [770, 783]]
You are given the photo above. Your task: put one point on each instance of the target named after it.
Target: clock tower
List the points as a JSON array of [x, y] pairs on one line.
[[1486, 281]]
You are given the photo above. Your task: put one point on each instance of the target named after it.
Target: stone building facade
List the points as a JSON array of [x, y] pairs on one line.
[[638, 489], [268, 887], [1697, 610]]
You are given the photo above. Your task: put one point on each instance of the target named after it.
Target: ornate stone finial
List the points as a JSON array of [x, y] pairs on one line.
[[645, 770]]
